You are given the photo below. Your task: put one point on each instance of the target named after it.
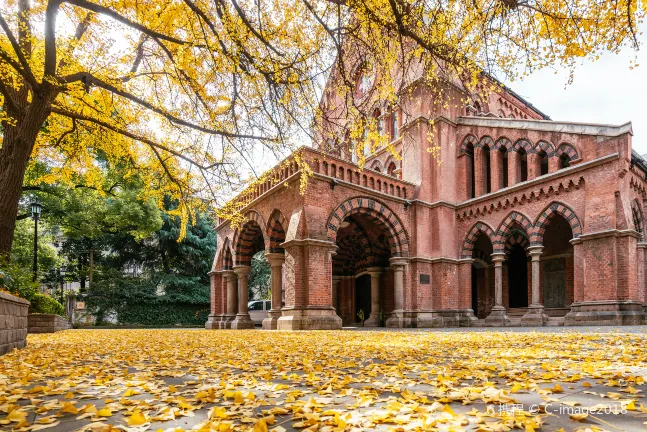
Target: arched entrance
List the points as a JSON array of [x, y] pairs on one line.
[[482, 276], [517, 263], [371, 240], [248, 243], [360, 269], [557, 267]]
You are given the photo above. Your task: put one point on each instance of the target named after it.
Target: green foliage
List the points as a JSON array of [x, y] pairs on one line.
[[360, 315], [259, 278], [45, 304], [135, 300], [16, 280], [22, 251]]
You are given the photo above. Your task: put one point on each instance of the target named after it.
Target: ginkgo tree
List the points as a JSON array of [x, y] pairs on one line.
[[189, 93]]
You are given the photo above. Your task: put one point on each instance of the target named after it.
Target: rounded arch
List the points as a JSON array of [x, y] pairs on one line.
[[398, 240], [377, 166], [486, 141], [502, 143], [516, 237], [513, 220], [638, 219], [546, 147], [469, 139], [567, 150], [554, 208], [247, 240], [522, 144], [224, 259], [472, 236], [277, 226]]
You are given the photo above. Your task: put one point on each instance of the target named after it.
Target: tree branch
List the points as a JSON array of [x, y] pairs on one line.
[[150, 143], [88, 79], [50, 38], [24, 70]]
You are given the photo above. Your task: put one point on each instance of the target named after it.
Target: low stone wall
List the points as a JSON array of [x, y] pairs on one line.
[[13, 322], [47, 323]]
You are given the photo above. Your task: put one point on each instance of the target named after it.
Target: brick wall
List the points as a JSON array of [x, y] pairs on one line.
[[13, 322], [47, 323]]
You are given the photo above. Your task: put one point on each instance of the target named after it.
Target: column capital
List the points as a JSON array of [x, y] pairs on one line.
[[535, 251], [228, 274], [642, 245], [242, 270], [399, 261], [214, 272], [498, 257], [275, 259], [375, 271], [575, 241]]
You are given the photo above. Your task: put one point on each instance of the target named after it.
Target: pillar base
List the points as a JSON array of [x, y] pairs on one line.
[[402, 319], [225, 321], [446, 318], [498, 317], [372, 321], [535, 316], [213, 322], [242, 322], [606, 312], [270, 323], [309, 318], [644, 313]]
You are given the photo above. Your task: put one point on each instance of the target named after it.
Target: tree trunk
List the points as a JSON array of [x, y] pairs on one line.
[[17, 144]]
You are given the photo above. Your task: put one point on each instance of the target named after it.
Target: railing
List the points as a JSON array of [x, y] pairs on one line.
[[323, 164]]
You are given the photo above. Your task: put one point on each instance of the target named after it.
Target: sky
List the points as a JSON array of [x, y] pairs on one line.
[[605, 91]]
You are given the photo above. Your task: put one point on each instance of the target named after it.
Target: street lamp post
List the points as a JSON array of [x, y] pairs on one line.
[[62, 273], [35, 214]]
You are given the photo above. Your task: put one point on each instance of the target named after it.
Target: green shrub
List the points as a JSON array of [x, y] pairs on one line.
[[17, 280], [44, 304]]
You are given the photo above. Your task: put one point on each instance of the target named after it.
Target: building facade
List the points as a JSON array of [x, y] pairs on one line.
[[514, 219]]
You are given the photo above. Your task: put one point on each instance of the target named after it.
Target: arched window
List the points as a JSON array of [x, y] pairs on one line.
[[477, 108], [564, 161], [636, 213], [543, 168], [390, 170], [504, 167], [485, 152], [395, 132], [470, 177], [523, 160]]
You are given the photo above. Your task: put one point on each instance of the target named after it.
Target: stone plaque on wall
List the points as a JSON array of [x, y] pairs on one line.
[[424, 279]]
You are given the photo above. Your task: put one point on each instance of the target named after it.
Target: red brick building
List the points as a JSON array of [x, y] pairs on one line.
[[516, 220]]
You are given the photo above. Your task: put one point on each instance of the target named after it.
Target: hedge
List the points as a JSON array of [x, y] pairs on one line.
[[44, 304]]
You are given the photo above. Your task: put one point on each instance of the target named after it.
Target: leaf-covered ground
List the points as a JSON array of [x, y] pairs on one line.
[[345, 380]]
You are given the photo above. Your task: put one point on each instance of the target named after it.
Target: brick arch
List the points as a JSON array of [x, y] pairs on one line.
[[516, 237], [377, 166], [250, 234], [503, 142], [380, 213], [354, 252], [554, 208], [514, 219], [522, 144], [224, 260], [486, 141], [546, 147], [638, 218], [469, 139], [277, 226], [568, 150], [472, 236]]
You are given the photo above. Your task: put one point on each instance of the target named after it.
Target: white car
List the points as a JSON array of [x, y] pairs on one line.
[[259, 310]]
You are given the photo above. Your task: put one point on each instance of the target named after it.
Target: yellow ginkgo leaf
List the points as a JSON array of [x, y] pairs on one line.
[[104, 412], [137, 419]]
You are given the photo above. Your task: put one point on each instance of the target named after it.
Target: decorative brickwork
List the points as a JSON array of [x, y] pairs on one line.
[[553, 209]]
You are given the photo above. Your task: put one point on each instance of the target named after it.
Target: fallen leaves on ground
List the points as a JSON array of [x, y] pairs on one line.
[[135, 380]]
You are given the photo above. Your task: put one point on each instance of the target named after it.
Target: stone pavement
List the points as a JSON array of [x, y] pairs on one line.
[[370, 379]]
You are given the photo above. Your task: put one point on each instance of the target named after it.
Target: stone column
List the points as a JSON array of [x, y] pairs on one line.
[[535, 316], [479, 177], [276, 261], [242, 320], [643, 287], [374, 319], [398, 317], [534, 165], [571, 318], [232, 297], [498, 315], [553, 163]]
